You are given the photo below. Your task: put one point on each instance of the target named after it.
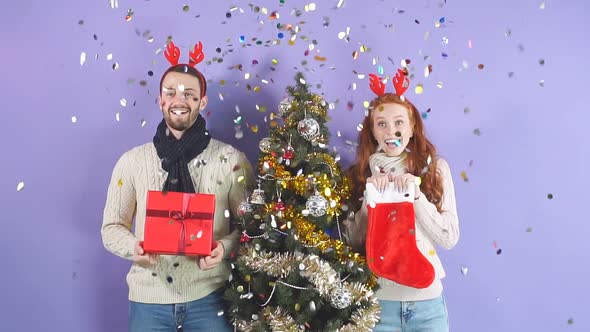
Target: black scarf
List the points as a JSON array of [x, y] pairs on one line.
[[177, 153]]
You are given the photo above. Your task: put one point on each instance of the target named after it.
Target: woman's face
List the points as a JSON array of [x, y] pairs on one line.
[[392, 128]]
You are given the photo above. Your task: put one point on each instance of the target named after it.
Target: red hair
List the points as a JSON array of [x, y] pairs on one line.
[[418, 150]]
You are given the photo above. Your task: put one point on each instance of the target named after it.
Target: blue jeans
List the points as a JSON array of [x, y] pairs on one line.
[[199, 315], [418, 316]]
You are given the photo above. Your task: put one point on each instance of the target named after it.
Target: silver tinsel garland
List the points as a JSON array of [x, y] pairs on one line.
[[325, 280]]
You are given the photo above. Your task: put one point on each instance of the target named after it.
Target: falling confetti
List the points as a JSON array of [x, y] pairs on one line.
[[480, 66], [20, 186], [74, 119], [542, 62], [117, 117], [82, 58], [542, 5], [550, 196], [464, 176], [439, 85], [129, 15], [529, 230], [570, 321], [466, 110], [542, 83], [143, 123], [123, 102], [464, 270], [476, 132], [419, 89], [185, 8]]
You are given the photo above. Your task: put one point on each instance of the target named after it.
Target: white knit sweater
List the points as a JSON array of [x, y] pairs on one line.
[[432, 228], [174, 279]]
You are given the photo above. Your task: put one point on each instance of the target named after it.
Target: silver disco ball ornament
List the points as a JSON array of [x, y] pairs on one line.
[[340, 298], [309, 129]]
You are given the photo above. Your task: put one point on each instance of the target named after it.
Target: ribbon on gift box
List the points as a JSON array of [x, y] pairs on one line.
[[181, 217]]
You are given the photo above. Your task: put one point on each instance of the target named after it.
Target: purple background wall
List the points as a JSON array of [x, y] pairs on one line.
[[56, 276]]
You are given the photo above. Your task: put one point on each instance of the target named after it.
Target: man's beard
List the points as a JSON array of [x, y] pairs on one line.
[[180, 122]]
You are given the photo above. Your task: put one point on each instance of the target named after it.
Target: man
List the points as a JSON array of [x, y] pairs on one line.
[[176, 293]]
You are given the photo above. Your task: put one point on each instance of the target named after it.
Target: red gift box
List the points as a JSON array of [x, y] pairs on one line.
[[179, 223]]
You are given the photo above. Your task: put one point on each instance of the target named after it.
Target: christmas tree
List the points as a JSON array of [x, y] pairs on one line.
[[290, 274]]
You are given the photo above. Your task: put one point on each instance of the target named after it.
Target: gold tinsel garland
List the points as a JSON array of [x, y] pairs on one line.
[[322, 276], [302, 184]]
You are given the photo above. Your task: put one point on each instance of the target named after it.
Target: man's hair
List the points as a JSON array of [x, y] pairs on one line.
[[186, 69]]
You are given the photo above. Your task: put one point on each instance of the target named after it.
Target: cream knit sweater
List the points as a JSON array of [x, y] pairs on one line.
[[174, 279]]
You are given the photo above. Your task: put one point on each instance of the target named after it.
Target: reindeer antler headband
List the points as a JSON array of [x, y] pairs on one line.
[[196, 55], [400, 81]]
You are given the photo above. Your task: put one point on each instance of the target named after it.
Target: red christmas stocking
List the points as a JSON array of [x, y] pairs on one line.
[[391, 242]]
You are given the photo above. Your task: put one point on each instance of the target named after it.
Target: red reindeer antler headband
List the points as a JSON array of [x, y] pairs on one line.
[[172, 53], [196, 55], [400, 81]]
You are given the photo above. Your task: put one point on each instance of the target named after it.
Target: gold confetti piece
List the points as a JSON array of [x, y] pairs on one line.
[[275, 61], [363, 48], [241, 178], [74, 119], [319, 58], [311, 7], [185, 8], [82, 58], [432, 252], [120, 182], [256, 89], [254, 128], [221, 82], [417, 180], [20, 186], [464, 176], [366, 104], [439, 85], [419, 89]]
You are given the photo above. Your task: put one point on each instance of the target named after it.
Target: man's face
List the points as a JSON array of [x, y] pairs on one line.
[[180, 101]]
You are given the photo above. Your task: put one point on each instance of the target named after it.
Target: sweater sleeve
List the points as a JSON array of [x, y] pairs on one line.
[[119, 211], [242, 179], [441, 227]]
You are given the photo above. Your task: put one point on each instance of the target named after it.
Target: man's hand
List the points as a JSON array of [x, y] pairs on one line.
[[141, 258], [209, 262]]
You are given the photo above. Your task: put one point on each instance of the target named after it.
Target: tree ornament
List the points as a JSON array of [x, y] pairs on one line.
[[257, 196], [340, 298], [244, 207], [309, 128], [265, 145], [284, 107], [317, 205]]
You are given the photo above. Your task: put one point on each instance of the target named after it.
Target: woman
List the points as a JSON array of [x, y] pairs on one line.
[[393, 148]]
